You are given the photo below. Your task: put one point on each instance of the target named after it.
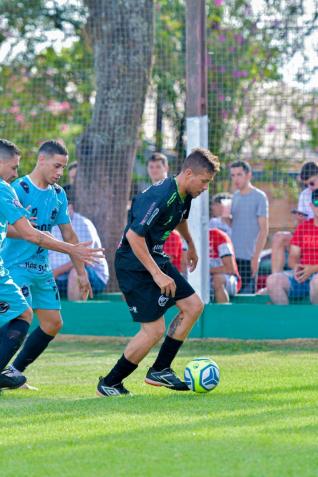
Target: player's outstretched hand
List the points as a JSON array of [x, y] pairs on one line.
[[85, 287], [166, 284], [83, 252]]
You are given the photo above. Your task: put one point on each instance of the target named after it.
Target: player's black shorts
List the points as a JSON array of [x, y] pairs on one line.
[[144, 298]]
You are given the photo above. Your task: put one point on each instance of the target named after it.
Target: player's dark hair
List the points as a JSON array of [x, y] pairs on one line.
[[72, 165], [200, 159], [308, 170], [158, 156], [52, 147], [243, 164], [8, 150]]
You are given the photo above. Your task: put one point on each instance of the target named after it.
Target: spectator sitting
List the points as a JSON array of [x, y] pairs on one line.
[[225, 278], [173, 247], [281, 240], [64, 273], [249, 224], [221, 212], [302, 281]]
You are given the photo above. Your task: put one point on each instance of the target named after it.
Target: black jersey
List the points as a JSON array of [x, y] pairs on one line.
[[153, 215]]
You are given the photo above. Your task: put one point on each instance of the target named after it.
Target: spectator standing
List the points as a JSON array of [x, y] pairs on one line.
[[225, 278], [302, 281], [64, 273], [249, 223]]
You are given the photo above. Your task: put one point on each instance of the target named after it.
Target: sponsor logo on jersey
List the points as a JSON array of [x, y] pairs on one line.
[[153, 215], [4, 306], [148, 213], [25, 186], [157, 248], [133, 309], [25, 291], [54, 214], [163, 300]]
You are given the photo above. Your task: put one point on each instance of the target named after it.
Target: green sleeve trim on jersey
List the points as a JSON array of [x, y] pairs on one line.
[[182, 197]]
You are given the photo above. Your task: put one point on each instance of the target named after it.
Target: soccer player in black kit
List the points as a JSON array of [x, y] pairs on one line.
[[148, 280]]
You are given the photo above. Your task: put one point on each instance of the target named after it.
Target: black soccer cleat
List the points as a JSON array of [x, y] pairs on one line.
[[11, 382], [167, 378], [109, 391]]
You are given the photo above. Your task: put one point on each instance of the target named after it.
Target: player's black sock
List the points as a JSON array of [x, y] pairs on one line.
[[11, 339], [36, 343], [167, 353], [120, 371]]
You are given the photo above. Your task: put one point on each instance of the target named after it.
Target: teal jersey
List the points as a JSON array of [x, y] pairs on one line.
[[11, 210], [49, 207]]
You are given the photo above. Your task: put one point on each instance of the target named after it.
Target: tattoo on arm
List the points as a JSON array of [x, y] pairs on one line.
[[174, 324]]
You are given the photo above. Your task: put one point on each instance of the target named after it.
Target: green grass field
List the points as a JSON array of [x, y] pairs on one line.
[[261, 421]]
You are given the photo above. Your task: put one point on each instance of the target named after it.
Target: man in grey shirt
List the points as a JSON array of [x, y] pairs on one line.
[[249, 223]]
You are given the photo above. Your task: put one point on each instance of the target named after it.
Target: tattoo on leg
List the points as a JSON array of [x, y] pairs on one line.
[[174, 324]]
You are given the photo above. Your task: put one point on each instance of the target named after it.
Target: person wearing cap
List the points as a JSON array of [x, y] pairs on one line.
[[221, 212], [302, 280]]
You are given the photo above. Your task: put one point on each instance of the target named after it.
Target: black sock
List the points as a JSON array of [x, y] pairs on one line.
[[12, 337], [167, 353], [36, 343], [120, 371]]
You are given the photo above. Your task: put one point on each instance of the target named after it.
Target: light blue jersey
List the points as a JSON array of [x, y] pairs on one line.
[[11, 210], [12, 302], [49, 206]]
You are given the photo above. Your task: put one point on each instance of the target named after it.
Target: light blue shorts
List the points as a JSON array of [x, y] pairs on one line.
[[12, 302], [39, 289]]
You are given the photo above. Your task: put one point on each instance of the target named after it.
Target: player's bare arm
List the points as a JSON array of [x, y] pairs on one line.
[[192, 257], [69, 235], [138, 244], [81, 250]]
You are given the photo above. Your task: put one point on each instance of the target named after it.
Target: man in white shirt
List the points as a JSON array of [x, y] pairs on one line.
[[64, 273]]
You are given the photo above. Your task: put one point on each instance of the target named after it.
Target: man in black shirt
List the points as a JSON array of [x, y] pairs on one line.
[[150, 283]]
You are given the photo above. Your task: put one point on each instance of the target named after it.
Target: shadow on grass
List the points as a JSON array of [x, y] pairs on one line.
[[18, 409], [193, 347]]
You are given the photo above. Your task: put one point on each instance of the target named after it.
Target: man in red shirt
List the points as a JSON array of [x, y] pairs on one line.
[[225, 278], [302, 281]]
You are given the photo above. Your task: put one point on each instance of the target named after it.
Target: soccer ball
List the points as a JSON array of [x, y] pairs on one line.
[[202, 375]]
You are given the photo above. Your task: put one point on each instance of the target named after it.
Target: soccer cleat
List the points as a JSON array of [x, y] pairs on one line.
[[167, 378], [109, 391], [11, 382], [11, 372]]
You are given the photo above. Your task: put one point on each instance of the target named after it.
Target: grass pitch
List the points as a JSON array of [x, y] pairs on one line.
[[262, 420]]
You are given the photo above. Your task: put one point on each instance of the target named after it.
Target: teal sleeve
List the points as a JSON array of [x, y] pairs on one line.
[[10, 206], [63, 215]]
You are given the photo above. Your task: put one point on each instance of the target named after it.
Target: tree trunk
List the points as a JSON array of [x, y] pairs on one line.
[[121, 34]]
